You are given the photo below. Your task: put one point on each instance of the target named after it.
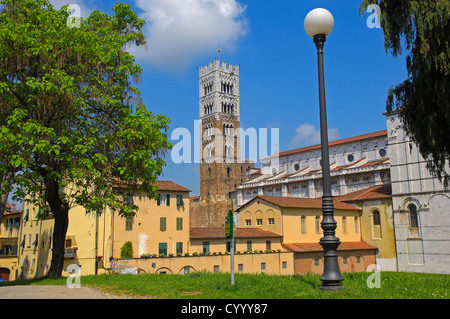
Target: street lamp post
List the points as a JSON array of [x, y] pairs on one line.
[[318, 24]]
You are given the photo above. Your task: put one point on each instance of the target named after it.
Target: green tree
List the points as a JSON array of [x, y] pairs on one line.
[[73, 129], [126, 251], [423, 99]]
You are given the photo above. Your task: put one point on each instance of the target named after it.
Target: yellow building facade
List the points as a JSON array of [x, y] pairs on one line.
[[377, 222], [298, 221], [9, 236]]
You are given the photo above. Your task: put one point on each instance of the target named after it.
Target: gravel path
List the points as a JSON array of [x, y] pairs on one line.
[[54, 292]]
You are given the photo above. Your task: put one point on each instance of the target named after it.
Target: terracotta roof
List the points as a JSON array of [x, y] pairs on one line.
[[163, 186], [216, 232], [308, 247], [339, 142], [295, 202], [194, 198], [373, 192], [171, 186]]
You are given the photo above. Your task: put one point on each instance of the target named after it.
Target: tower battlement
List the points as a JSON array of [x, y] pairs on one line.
[[218, 65]]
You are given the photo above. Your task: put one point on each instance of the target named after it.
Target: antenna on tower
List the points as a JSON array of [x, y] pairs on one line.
[[219, 49]]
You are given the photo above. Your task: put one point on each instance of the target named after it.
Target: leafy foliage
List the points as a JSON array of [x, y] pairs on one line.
[[423, 29], [73, 128]]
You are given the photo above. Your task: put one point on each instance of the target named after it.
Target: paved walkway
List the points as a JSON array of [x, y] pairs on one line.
[[54, 292]]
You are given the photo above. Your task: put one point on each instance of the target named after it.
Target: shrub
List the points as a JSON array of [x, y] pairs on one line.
[[127, 250]]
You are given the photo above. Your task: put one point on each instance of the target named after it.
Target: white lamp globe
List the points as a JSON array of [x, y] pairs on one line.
[[319, 21]]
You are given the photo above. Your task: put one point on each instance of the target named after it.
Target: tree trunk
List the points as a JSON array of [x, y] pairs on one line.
[[59, 238], [3, 201], [60, 212]]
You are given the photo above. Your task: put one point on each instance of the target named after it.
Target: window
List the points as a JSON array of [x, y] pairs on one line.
[[344, 225], [162, 224], [248, 222], [129, 224], [413, 219], [263, 266], [376, 224], [316, 261], [162, 249], [179, 248], [376, 218], [228, 248], [284, 264], [303, 224], [158, 199], [268, 245], [206, 247], [356, 225], [344, 260], [180, 199], [228, 172], [249, 245], [358, 259], [259, 222], [130, 199], [240, 267], [271, 221], [216, 268], [350, 158], [317, 224], [167, 200], [179, 223]]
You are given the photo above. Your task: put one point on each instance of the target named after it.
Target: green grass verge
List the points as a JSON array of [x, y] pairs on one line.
[[393, 285]]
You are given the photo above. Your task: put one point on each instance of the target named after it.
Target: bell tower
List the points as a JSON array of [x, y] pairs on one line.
[[221, 168]]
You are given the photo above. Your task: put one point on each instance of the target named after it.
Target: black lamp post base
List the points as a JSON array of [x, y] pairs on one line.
[[336, 287]]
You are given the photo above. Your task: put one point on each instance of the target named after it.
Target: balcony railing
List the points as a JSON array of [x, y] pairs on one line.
[[70, 253]]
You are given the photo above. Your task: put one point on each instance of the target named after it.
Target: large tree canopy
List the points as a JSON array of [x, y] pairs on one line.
[[423, 99], [72, 125]]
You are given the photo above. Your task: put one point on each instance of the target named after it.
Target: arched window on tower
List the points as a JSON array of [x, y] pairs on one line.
[[228, 172], [413, 219]]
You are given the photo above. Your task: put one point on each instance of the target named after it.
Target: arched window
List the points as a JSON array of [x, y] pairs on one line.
[[413, 220], [317, 224], [303, 224], [228, 172], [344, 224], [376, 220]]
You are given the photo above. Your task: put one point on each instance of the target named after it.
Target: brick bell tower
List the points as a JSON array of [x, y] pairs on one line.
[[221, 168]]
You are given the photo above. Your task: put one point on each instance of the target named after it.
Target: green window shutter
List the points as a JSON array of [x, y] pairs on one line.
[[206, 247], [179, 223], [38, 214], [167, 200], [162, 224], [163, 248], [158, 200], [249, 245], [26, 215], [179, 200], [22, 244], [179, 248]]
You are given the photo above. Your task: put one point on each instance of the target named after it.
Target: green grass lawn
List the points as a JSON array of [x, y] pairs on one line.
[[217, 286]]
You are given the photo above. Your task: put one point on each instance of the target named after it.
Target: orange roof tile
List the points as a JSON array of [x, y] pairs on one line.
[[296, 202], [216, 232], [339, 142], [308, 247], [373, 192], [171, 186]]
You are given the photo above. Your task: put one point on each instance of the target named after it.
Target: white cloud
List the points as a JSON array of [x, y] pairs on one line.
[[178, 31], [308, 134]]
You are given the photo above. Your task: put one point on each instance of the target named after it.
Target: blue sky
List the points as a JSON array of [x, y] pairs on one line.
[[278, 66]]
